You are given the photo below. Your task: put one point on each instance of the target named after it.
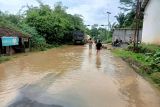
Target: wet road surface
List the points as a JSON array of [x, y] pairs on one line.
[[73, 76]]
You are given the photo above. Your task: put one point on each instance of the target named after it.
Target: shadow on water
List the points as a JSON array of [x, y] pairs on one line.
[[28, 95], [26, 102]]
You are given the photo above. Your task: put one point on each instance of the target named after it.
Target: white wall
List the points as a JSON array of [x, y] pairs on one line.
[[151, 25], [125, 35]]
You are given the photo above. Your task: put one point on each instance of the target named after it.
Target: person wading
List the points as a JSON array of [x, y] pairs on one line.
[[90, 43], [98, 46]]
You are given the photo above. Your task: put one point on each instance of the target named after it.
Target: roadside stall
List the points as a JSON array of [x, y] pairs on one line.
[[13, 42]]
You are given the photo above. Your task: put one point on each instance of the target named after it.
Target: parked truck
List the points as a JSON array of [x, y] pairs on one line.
[[78, 37]]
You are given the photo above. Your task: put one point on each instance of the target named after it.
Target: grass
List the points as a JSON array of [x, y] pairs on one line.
[[4, 58], [151, 47], [138, 57], [139, 60]]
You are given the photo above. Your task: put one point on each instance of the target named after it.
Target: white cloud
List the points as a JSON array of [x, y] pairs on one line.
[[93, 11], [13, 6]]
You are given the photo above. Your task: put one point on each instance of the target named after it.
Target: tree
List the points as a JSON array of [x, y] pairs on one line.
[[94, 32], [128, 16], [121, 18], [55, 25]]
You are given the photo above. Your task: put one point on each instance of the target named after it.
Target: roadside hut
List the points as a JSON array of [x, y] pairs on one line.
[[12, 41]]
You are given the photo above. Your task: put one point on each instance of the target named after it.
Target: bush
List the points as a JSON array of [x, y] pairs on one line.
[[139, 49], [156, 77], [37, 41], [152, 56], [148, 64], [4, 58], [144, 48], [55, 24], [155, 61]]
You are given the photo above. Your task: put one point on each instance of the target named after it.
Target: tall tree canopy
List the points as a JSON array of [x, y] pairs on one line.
[[127, 17], [121, 19], [53, 24]]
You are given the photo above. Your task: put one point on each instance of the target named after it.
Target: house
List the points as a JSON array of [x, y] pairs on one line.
[[151, 23], [12, 41], [126, 35]]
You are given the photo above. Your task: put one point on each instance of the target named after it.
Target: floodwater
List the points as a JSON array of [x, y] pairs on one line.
[[73, 76]]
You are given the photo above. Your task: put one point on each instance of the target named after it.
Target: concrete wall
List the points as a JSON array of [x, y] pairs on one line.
[[125, 35], [151, 24]]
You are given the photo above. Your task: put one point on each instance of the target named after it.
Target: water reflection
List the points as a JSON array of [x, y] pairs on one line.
[[90, 55], [98, 61]]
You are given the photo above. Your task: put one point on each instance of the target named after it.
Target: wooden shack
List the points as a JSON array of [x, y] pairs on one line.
[[12, 41]]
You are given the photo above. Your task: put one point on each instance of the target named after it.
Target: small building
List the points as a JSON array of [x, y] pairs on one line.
[[12, 41], [126, 35], [151, 22]]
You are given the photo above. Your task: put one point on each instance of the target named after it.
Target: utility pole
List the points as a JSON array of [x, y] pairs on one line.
[[137, 19], [108, 25]]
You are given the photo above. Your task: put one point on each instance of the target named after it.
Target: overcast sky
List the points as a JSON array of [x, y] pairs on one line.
[[93, 11]]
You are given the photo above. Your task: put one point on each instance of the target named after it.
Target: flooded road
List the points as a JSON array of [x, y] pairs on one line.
[[73, 76]]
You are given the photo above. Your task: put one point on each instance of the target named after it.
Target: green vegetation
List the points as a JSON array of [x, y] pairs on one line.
[[48, 27], [126, 18], [9, 23], [100, 33], [37, 41], [4, 58], [138, 57], [146, 58], [55, 25]]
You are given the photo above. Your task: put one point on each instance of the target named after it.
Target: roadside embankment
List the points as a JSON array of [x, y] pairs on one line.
[[145, 60]]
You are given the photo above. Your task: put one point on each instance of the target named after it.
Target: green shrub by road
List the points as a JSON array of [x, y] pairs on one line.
[[146, 59], [4, 58], [156, 77]]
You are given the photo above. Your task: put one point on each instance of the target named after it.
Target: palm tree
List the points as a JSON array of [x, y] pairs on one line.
[[121, 19]]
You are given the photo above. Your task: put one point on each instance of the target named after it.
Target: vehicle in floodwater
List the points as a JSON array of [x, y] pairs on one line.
[[78, 37]]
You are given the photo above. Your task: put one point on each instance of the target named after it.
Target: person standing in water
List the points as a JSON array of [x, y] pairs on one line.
[[90, 43], [98, 46]]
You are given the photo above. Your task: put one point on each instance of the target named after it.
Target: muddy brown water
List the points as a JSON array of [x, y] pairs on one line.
[[73, 76]]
